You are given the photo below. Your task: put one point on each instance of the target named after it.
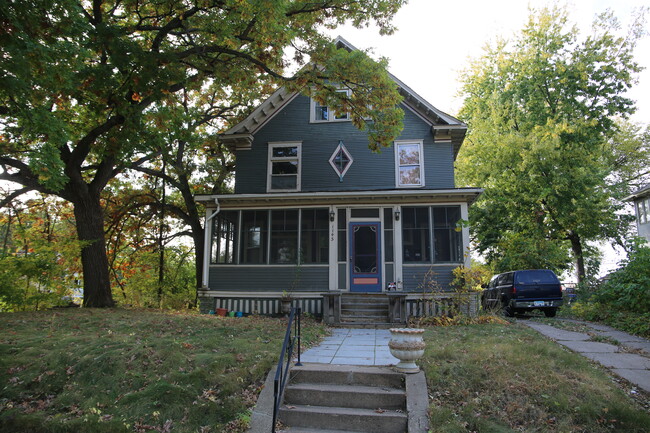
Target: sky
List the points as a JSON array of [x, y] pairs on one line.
[[436, 39]]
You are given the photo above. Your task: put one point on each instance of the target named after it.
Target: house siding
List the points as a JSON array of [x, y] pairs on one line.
[[414, 276], [369, 171], [268, 278]]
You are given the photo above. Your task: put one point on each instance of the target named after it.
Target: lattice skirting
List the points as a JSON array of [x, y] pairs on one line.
[[264, 306], [441, 305]]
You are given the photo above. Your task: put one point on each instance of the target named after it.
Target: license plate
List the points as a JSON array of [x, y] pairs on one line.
[[538, 303]]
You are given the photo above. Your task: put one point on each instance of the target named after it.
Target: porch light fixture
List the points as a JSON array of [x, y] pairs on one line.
[[396, 215], [332, 215]]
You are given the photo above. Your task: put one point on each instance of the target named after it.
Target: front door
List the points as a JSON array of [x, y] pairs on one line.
[[365, 263]]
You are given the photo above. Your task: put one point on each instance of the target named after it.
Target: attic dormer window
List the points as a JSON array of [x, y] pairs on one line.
[[284, 166], [323, 113]]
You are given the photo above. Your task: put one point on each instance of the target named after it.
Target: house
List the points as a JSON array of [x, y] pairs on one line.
[[316, 213], [641, 200]]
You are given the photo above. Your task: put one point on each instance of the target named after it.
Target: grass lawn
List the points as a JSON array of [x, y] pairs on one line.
[[508, 378], [117, 370]]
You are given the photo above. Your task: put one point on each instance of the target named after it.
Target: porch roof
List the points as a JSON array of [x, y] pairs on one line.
[[328, 198]]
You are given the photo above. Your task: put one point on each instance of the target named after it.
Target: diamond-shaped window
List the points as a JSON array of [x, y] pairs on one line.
[[341, 160]]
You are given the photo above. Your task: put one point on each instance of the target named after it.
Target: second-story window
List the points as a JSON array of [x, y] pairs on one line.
[[284, 166], [323, 113], [409, 166]]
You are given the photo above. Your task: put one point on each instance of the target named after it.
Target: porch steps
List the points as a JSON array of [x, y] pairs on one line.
[[364, 309], [344, 399]]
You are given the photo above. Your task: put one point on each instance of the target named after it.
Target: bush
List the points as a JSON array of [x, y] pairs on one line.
[[629, 287], [624, 300]]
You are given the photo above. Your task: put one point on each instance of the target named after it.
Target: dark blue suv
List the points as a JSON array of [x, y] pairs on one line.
[[520, 291]]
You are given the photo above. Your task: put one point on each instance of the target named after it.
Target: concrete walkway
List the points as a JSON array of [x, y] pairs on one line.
[[352, 347], [634, 367]]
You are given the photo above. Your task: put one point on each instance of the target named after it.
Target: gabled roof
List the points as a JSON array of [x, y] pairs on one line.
[[444, 126], [639, 193]]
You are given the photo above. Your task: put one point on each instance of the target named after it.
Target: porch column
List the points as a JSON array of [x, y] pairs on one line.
[[397, 248], [333, 251], [464, 214], [207, 245]]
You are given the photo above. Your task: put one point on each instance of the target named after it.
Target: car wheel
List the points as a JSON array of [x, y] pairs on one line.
[[550, 312], [508, 311]]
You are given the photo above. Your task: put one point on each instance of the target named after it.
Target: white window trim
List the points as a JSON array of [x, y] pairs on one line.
[[312, 111], [341, 148], [397, 166], [270, 161]]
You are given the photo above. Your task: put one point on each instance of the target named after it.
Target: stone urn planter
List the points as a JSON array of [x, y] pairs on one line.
[[285, 305], [407, 345]]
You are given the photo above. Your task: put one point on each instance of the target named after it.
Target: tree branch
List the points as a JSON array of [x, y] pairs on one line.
[[8, 199]]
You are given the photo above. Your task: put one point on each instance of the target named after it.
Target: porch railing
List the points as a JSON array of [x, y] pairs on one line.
[[291, 341]]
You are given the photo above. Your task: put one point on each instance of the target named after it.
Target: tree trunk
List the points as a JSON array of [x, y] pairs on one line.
[[576, 248], [89, 217]]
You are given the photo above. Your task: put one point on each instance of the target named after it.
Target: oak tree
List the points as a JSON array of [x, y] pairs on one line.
[[83, 86], [542, 112]]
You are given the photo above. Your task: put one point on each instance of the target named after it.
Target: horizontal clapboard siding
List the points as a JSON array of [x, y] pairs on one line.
[[414, 277], [369, 171], [265, 278]]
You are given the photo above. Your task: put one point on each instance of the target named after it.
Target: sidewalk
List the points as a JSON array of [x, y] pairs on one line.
[[631, 366], [352, 347]]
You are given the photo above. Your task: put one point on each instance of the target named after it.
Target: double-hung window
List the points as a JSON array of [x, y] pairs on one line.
[[284, 166], [409, 167], [323, 113]]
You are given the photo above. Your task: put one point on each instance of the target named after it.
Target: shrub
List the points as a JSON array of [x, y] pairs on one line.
[[629, 287], [624, 300]]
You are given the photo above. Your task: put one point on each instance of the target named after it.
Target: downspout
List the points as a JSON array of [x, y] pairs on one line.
[[206, 242]]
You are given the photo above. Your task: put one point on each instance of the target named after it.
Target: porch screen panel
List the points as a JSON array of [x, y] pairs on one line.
[[416, 234], [253, 234], [284, 236], [448, 243], [224, 237], [313, 235]]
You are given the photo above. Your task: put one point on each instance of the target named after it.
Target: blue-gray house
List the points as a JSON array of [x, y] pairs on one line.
[[316, 214]]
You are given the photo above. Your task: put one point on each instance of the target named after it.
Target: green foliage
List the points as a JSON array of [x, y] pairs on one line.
[[39, 262], [520, 251], [470, 279], [629, 287], [624, 300], [89, 90], [542, 113], [136, 278]]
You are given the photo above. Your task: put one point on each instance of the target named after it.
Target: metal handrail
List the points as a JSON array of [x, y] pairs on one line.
[[282, 371]]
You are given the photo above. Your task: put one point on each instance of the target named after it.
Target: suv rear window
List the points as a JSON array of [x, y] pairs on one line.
[[536, 277]]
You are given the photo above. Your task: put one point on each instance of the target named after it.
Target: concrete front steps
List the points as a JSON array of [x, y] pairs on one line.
[[323, 398], [364, 309]]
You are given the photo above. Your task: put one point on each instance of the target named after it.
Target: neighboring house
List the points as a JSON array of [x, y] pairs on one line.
[[641, 199], [316, 213]]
